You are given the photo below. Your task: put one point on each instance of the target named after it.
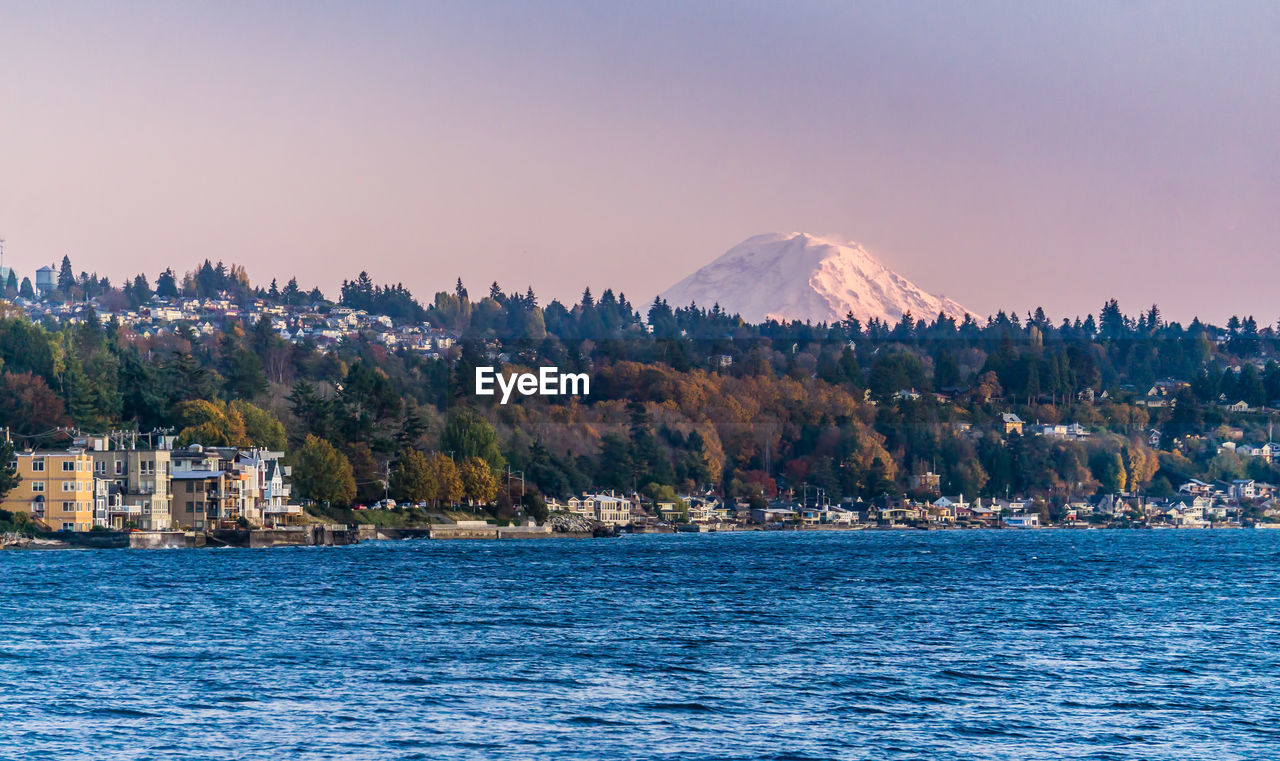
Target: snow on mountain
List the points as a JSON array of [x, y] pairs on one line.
[[795, 276]]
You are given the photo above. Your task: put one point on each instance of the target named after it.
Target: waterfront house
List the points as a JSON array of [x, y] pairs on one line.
[[669, 512], [837, 515], [772, 515], [56, 489], [1022, 520], [956, 508], [1012, 423], [606, 508], [138, 483], [213, 485]]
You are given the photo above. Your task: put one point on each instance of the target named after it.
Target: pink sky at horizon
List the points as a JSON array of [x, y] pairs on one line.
[[1006, 155]]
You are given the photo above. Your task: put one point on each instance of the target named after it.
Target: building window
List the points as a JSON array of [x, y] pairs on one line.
[[68, 466], [68, 486], [99, 467], [37, 486], [119, 467], [37, 465]]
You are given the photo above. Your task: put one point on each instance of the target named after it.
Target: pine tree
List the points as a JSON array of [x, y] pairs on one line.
[[9, 477], [167, 285], [66, 278]]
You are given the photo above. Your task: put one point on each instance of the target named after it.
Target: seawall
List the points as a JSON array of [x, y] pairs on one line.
[[325, 535]]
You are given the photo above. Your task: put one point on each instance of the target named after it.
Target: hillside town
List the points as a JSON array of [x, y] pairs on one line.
[[319, 323], [697, 421]]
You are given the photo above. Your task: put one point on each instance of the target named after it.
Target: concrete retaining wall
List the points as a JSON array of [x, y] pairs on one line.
[[165, 540], [292, 536], [93, 540]]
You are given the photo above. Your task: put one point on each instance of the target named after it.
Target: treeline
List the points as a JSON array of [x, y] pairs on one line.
[[685, 399]]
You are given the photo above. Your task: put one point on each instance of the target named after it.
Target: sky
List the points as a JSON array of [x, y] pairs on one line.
[[1005, 154]]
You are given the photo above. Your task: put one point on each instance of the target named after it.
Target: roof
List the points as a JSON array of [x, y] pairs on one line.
[[189, 475]]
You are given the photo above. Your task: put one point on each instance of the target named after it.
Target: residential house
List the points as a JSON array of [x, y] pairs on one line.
[[1022, 520], [773, 515], [956, 507], [138, 486], [1195, 487], [1066, 432], [1244, 489], [1012, 423], [56, 488], [606, 508]]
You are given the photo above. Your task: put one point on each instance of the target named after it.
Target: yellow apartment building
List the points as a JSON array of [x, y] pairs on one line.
[[56, 489]]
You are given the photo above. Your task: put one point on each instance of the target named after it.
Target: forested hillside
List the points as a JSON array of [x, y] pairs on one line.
[[682, 397]]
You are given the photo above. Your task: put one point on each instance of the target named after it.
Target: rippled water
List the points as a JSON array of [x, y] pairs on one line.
[[982, 644]]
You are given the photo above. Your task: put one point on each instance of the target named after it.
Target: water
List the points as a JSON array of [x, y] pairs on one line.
[[981, 644]]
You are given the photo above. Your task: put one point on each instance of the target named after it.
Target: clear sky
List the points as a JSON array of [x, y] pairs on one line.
[[1006, 154]]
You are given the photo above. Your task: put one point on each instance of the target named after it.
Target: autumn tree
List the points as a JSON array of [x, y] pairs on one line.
[[478, 484], [28, 406], [413, 479], [210, 424], [323, 474], [448, 480]]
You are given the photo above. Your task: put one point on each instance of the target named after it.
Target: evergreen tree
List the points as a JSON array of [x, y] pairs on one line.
[[66, 278], [9, 478], [167, 285], [369, 484], [141, 290], [467, 434]]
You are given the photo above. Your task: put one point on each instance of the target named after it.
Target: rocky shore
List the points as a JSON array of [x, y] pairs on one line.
[[577, 525]]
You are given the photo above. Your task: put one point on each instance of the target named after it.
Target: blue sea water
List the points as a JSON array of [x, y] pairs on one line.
[[878, 645]]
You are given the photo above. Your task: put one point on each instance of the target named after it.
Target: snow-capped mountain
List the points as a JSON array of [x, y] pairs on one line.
[[795, 276]]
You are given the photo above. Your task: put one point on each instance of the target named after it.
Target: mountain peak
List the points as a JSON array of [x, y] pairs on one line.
[[800, 276]]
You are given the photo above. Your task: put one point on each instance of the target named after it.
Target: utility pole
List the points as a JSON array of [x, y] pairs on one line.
[[512, 473]]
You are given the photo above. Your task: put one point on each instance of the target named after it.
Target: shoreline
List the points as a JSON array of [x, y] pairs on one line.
[[337, 535]]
